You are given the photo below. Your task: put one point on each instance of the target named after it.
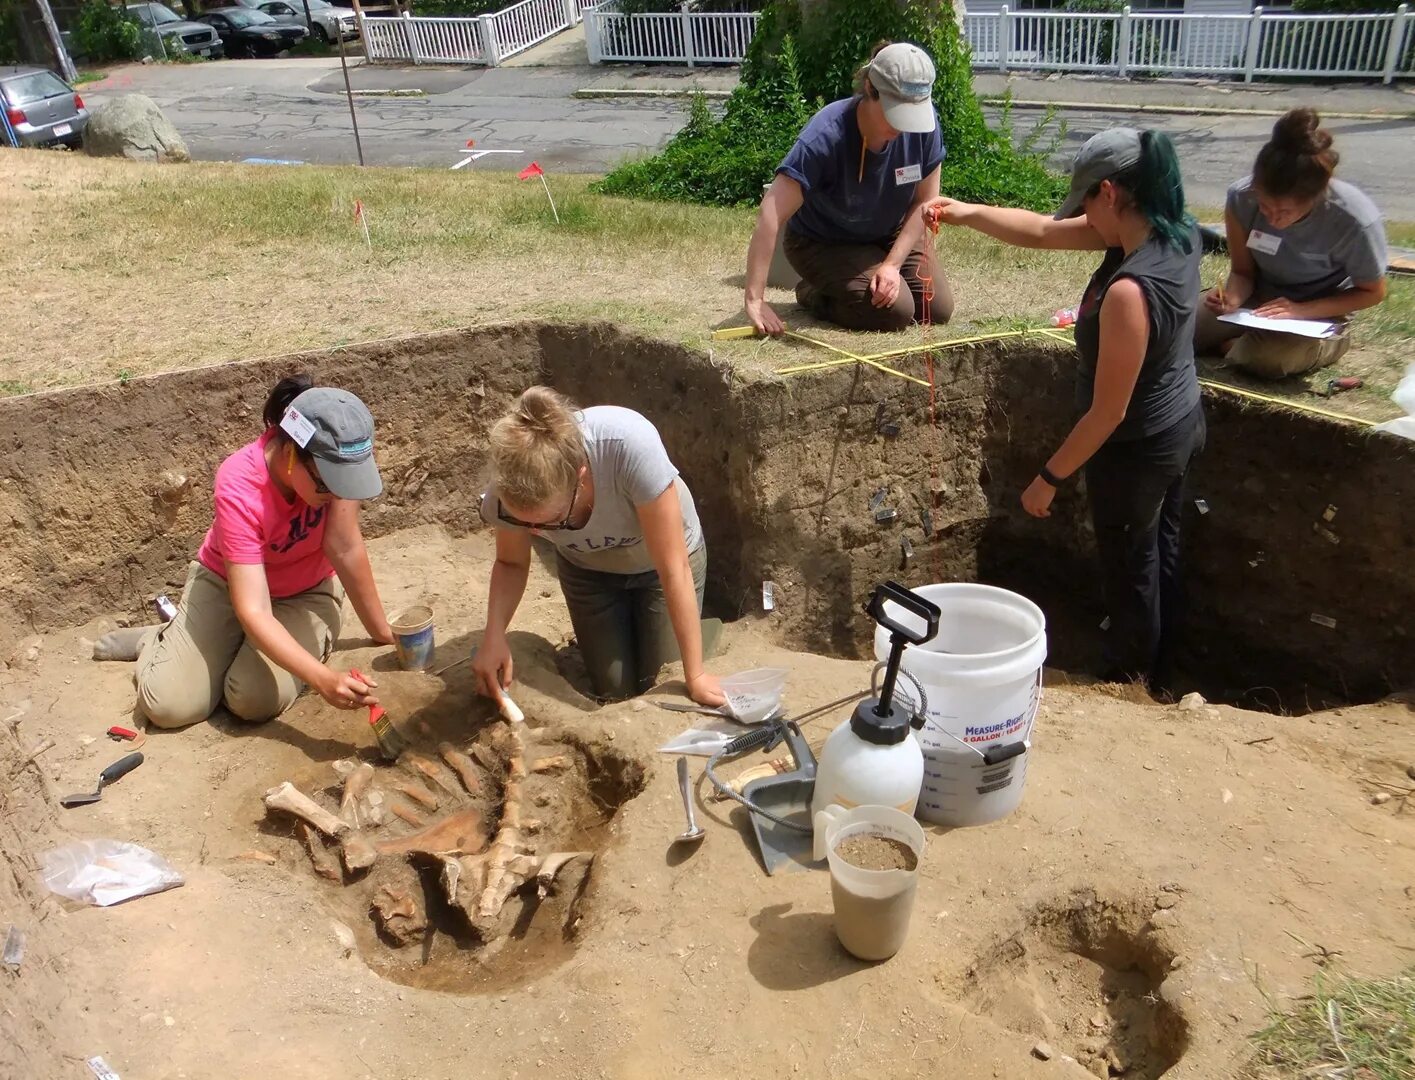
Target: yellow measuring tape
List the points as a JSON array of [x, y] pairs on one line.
[[844, 357]]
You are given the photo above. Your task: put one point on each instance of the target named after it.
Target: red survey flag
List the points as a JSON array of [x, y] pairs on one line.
[[533, 169]]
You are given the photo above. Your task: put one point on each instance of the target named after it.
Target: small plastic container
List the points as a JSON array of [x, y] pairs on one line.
[[413, 638], [752, 696], [872, 907]]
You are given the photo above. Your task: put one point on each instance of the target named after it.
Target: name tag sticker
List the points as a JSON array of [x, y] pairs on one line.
[[1267, 243], [910, 174], [297, 427]]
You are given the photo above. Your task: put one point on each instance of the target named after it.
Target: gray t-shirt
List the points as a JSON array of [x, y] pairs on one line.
[[1340, 242], [630, 467]]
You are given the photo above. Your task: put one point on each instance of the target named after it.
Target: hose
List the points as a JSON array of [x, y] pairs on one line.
[[764, 738], [920, 707]]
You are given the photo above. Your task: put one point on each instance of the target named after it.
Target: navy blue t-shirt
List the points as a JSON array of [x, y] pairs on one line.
[[840, 205]]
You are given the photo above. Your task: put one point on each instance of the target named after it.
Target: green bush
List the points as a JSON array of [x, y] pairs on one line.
[[450, 8], [104, 32], [793, 68], [9, 32]]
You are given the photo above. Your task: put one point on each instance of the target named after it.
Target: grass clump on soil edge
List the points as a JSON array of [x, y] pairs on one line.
[[795, 65], [1363, 1029]]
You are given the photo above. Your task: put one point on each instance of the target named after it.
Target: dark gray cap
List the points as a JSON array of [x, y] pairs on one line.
[[337, 428], [1104, 156]]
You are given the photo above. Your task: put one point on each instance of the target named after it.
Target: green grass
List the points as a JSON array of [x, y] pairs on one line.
[[1357, 1029], [89, 76]]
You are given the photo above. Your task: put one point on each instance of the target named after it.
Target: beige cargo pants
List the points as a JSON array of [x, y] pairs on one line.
[[186, 668], [1265, 353]]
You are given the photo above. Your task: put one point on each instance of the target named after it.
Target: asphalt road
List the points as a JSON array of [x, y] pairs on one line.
[[295, 109]]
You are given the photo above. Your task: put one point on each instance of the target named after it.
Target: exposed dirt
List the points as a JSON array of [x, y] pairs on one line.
[[1168, 870], [692, 964], [876, 853]]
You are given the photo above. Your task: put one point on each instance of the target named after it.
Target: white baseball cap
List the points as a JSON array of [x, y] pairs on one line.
[[904, 76]]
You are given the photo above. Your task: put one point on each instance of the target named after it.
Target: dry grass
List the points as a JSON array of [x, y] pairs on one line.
[[1352, 1029], [118, 269]]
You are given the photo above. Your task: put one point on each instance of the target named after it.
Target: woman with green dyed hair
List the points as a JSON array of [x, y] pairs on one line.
[[1142, 423]]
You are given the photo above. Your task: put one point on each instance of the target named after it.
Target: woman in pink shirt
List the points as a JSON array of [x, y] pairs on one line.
[[259, 614]]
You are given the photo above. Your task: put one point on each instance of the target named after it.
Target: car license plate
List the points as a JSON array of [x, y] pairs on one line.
[[205, 52], [63, 129]]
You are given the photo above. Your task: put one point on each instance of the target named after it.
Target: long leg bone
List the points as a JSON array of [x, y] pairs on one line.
[[434, 772], [456, 834], [462, 766], [288, 798], [356, 786], [558, 763]]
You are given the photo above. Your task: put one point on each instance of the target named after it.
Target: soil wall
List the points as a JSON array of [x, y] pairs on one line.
[[105, 493]]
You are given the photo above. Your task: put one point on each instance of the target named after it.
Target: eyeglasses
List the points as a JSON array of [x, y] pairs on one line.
[[502, 515]]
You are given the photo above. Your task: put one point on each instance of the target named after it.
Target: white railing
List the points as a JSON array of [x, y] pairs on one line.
[[484, 39], [1126, 42], [683, 36]]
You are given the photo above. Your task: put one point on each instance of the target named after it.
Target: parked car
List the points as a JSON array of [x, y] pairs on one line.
[[245, 32], [176, 33], [40, 109], [325, 19]]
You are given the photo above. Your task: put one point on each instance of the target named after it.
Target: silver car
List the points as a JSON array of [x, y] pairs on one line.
[[325, 19], [175, 33], [39, 109]]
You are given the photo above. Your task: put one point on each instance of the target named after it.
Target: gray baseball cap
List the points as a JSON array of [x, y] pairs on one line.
[[904, 76], [1103, 156], [337, 429]]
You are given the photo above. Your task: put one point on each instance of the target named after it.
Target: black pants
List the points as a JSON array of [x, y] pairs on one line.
[[1137, 495]]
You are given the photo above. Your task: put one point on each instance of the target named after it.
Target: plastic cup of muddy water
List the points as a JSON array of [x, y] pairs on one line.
[[874, 854], [413, 638]]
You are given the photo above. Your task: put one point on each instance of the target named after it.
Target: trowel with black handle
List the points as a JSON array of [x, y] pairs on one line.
[[113, 773]]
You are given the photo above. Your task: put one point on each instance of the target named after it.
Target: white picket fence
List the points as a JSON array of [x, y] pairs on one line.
[[485, 39], [684, 36], [1265, 43]]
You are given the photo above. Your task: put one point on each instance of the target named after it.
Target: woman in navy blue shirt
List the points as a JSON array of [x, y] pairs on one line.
[[848, 195]]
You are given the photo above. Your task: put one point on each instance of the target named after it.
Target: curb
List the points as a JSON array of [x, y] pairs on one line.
[[1178, 110], [591, 92]]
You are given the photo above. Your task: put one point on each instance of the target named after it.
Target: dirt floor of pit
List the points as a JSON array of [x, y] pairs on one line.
[[1166, 871]]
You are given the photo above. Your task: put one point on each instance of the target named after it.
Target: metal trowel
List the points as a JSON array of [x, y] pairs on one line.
[[112, 774]]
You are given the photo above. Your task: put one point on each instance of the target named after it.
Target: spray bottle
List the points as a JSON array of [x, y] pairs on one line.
[[873, 759]]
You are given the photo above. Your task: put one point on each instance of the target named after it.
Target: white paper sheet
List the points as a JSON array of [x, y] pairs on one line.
[[1312, 328]]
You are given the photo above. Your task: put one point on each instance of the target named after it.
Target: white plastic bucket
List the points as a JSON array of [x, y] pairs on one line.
[[982, 674]]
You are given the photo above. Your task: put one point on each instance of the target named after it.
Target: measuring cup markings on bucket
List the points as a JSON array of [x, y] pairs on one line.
[[982, 676], [872, 907], [413, 638]]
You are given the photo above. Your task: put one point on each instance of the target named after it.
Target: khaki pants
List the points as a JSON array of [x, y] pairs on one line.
[[201, 657], [1266, 353], [835, 284]]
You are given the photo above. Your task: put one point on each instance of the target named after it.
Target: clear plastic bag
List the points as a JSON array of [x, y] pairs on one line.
[[104, 872], [1404, 396]]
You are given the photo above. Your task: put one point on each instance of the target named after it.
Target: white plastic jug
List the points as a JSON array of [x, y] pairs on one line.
[[872, 907], [982, 675], [854, 771]]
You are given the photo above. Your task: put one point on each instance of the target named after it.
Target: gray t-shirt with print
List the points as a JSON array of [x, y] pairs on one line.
[[1340, 242], [630, 467]]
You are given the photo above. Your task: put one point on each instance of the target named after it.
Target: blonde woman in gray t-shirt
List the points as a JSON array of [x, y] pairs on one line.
[[1303, 245], [599, 486]]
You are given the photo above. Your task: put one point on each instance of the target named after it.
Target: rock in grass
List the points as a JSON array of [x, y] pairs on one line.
[[132, 126]]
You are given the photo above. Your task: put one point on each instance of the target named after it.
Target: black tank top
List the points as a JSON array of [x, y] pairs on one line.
[[1167, 389]]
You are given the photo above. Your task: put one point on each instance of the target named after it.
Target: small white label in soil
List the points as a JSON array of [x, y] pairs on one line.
[[1201, 506], [1324, 620], [100, 1069], [768, 596], [297, 427]]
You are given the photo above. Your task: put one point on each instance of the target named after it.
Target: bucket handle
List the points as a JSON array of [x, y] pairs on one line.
[[996, 755]]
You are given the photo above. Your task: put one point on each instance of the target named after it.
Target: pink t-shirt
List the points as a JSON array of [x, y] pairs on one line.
[[254, 524]]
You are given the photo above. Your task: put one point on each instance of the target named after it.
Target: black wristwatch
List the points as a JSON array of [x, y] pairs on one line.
[[1049, 476]]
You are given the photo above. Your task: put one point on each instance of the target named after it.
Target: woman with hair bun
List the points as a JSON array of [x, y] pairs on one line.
[[599, 486], [1303, 245]]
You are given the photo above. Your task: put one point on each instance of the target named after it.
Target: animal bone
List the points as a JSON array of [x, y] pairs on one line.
[[418, 793], [356, 786], [408, 814], [357, 852], [558, 763], [462, 766], [322, 859], [396, 907], [434, 772], [290, 799], [456, 834], [451, 876], [507, 862], [553, 864], [486, 758]]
